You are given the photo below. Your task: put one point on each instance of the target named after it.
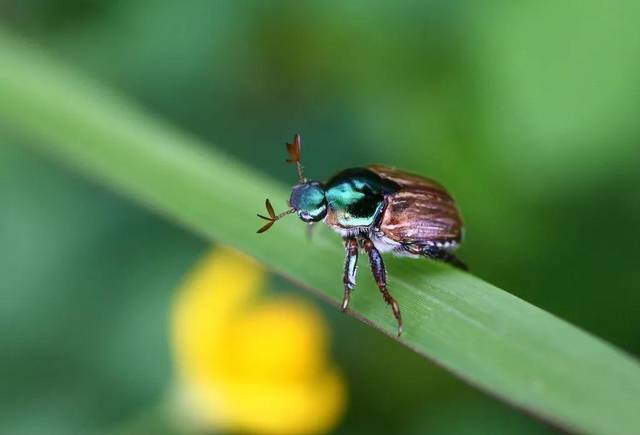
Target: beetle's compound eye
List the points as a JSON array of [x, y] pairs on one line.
[[309, 201], [316, 216]]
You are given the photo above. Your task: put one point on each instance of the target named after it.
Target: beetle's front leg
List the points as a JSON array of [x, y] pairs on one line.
[[380, 275], [350, 269], [310, 227]]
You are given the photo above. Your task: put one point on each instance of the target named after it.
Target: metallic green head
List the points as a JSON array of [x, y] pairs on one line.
[[309, 201]]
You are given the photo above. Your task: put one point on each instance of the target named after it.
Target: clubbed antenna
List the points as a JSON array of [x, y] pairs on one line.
[[272, 216], [294, 149]]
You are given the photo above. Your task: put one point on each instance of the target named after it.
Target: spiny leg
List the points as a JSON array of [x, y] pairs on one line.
[[350, 269], [380, 275], [440, 254]]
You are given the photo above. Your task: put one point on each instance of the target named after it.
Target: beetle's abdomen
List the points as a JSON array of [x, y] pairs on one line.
[[356, 198]]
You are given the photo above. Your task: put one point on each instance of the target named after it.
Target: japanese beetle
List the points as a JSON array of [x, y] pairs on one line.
[[377, 209]]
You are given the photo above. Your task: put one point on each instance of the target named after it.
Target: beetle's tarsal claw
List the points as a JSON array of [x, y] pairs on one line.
[[345, 302], [396, 313]]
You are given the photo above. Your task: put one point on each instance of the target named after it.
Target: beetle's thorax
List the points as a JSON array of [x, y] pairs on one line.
[[355, 199]]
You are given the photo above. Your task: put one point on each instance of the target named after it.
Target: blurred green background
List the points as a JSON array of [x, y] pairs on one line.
[[527, 112]]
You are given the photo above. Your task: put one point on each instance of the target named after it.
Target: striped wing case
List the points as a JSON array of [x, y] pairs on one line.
[[421, 211]]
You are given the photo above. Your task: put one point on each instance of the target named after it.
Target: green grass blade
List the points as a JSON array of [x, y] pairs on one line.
[[492, 339]]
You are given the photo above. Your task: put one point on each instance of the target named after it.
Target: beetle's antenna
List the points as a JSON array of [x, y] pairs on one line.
[[294, 149], [272, 216]]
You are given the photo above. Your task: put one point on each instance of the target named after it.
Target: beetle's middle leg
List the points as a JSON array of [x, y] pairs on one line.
[[380, 275], [350, 269]]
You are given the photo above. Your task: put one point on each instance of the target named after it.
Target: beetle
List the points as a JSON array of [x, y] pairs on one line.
[[377, 209]]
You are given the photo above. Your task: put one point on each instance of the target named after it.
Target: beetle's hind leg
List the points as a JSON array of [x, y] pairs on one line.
[[441, 254], [350, 269], [380, 275]]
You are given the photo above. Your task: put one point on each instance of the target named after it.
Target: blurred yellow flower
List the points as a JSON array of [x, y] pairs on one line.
[[249, 363]]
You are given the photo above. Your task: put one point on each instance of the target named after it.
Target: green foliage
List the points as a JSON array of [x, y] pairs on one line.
[[492, 339]]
